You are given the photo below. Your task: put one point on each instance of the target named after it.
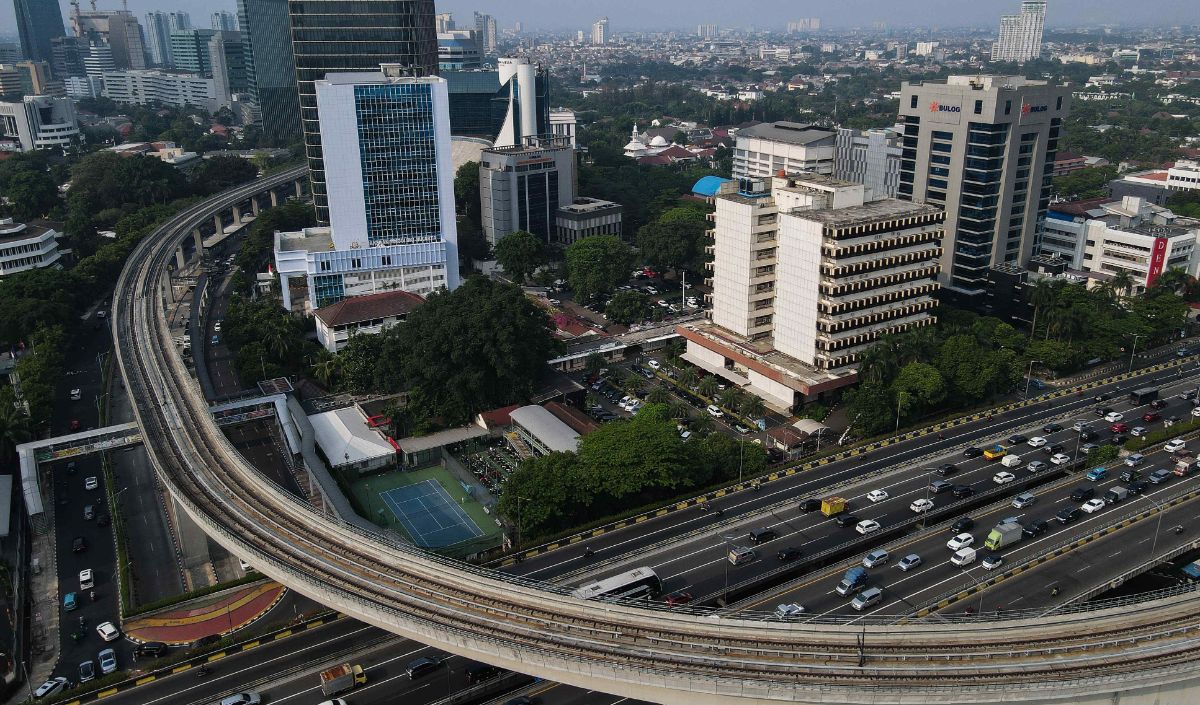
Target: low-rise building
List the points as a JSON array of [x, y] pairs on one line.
[[585, 217], [25, 246], [38, 122], [542, 431], [167, 152], [1141, 239], [349, 442], [146, 87], [1184, 176], [1067, 162], [522, 187], [362, 315], [768, 148]]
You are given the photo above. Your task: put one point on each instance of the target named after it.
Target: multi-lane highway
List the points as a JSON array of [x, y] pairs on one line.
[[627, 650]]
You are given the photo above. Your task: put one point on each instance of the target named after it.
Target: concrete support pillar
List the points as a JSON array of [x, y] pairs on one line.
[[179, 260], [254, 206], [286, 290], [274, 198], [193, 544], [237, 214], [217, 224], [299, 188], [198, 240]]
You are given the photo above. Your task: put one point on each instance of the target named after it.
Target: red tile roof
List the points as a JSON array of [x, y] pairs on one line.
[[578, 421], [369, 308], [499, 417]]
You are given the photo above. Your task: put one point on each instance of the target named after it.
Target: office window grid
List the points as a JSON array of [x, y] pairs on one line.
[[396, 133]]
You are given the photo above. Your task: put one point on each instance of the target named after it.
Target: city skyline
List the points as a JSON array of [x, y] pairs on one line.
[[626, 16]]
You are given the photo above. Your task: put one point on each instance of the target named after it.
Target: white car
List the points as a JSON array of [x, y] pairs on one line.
[[1003, 478], [714, 411], [921, 506], [50, 687], [217, 326], [76, 394], [654, 364], [789, 610], [877, 495], [960, 542], [107, 631], [1196, 411], [991, 562], [86, 580], [1174, 445], [1036, 442], [1060, 459], [1092, 505], [1113, 416], [867, 526], [91, 483]]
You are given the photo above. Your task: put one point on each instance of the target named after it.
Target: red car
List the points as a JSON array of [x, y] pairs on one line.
[[1119, 428], [678, 598], [1151, 416], [75, 424]]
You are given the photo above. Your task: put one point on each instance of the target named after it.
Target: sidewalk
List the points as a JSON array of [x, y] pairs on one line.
[[213, 615]]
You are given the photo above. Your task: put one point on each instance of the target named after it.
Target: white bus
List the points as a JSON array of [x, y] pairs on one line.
[[637, 584]]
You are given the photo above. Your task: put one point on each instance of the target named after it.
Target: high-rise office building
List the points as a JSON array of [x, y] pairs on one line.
[[870, 158], [1021, 35], [119, 28], [98, 60], [459, 49], [38, 22], [503, 106], [600, 32], [190, 51], [67, 56], [808, 24], [522, 186], [216, 54], [445, 22], [390, 180], [982, 148], [332, 36], [159, 26], [807, 273], [270, 68], [223, 20], [485, 29]]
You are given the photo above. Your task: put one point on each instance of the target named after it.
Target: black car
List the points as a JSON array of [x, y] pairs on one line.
[[1102, 397], [947, 469], [1052, 428], [790, 553], [845, 520], [422, 667], [1130, 475], [1083, 493], [103, 520], [1068, 515], [150, 649], [963, 524], [940, 486], [1138, 486], [961, 491], [1035, 528], [972, 452], [1086, 435], [1017, 439], [1104, 411], [1158, 404], [79, 544], [1118, 439], [810, 505], [1052, 448]]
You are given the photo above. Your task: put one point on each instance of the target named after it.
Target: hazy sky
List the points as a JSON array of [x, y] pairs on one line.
[[632, 15]]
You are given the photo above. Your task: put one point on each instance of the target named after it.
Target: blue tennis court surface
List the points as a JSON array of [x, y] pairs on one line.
[[429, 515]]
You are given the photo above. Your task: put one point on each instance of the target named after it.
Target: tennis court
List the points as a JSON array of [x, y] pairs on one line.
[[430, 515]]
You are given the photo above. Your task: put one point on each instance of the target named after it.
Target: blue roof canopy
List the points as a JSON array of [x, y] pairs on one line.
[[709, 185]]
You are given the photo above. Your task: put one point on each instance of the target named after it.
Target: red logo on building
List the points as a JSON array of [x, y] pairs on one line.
[[933, 107], [1158, 258], [1026, 108]]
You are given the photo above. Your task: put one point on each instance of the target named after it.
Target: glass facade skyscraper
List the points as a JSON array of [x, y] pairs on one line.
[[270, 68], [38, 21], [335, 36]]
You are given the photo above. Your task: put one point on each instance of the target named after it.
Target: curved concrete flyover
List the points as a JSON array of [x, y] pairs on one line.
[[1144, 653]]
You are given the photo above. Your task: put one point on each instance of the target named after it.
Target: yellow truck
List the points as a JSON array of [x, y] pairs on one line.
[[341, 678], [833, 505], [995, 452]]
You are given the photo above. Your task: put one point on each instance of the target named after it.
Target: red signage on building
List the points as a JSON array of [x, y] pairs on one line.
[[1158, 258]]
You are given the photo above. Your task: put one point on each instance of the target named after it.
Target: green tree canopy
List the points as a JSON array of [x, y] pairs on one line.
[[597, 264], [219, 173], [520, 253], [627, 307]]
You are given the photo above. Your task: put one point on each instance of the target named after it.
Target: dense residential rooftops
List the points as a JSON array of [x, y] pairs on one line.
[[368, 308]]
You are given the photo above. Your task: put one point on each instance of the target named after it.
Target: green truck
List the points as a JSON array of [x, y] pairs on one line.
[[1003, 535]]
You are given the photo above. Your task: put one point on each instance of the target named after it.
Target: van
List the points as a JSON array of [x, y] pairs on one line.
[[1023, 500], [1083, 493], [741, 554], [1097, 474], [479, 672], [762, 535], [963, 557], [867, 598], [854, 580], [1011, 461]]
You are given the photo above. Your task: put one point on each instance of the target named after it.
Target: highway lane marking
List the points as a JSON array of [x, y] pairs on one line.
[[370, 683], [290, 654], [1067, 433], [1024, 419]]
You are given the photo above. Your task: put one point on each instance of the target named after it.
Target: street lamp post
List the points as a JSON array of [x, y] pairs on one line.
[[728, 541], [1029, 377], [899, 401], [1158, 527], [1133, 351]]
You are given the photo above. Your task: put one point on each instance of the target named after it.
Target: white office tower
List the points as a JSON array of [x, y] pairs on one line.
[[1021, 35], [521, 120], [390, 180], [600, 32]]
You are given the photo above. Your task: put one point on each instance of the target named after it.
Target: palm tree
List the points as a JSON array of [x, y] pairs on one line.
[[702, 425], [879, 362], [674, 349], [1121, 282], [752, 407], [326, 368], [658, 395], [687, 377], [679, 410], [1043, 294], [709, 386], [731, 398], [1175, 280]]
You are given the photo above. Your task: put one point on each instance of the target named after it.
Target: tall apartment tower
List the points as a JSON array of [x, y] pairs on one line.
[[706, 31], [982, 148], [600, 32], [337, 36], [270, 67], [38, 22], [485, 29], [159, 26], [445, 22], [1021, 35], [120, 29], [390, 179], [224, 21]]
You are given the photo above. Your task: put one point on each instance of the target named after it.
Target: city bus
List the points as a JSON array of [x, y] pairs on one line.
[[637, 584]]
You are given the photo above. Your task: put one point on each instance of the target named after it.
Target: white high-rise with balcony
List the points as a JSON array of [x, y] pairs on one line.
[[1021, 35]]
